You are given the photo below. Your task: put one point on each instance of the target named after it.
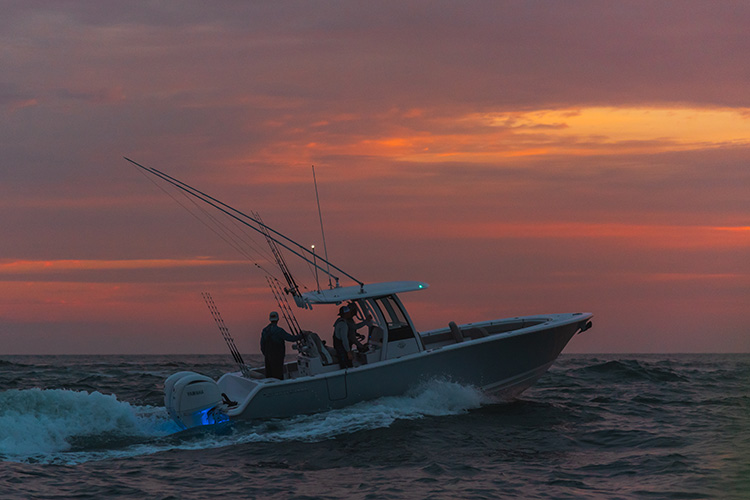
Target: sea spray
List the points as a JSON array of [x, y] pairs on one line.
[[37, 422]]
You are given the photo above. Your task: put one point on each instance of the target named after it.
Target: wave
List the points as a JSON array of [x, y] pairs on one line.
[[64, 426], [37, 423], [6, 363], [629, 370]]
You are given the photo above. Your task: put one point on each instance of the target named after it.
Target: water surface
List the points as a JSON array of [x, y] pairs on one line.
[[656, 426]]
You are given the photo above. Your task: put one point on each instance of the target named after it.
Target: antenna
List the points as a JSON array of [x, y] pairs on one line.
[[322, 232], [317, 281]]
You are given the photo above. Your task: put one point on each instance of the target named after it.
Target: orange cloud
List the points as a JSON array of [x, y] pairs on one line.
[[664, 236], [43, 301], [697, 277], [487, 137], [10, 267], [21, 104]]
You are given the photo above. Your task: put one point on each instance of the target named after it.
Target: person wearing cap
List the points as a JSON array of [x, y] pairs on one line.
[[345, 334], [273, 347]]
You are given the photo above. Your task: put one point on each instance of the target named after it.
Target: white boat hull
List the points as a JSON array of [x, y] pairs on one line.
[[503, 364]]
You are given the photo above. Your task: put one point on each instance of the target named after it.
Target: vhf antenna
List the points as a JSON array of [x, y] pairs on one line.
[[322, 232]]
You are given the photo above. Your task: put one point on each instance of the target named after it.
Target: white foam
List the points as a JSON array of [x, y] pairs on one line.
[[37, 422], [434, 398]]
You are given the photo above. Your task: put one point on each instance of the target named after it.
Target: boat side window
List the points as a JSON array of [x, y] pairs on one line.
[[398, 326]]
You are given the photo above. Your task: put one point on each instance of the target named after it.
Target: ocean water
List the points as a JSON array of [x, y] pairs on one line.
[[608, 426]]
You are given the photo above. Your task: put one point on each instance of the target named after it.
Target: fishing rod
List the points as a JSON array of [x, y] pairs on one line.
[[286, 311], [223, 207], [280, 261], [225, 333]]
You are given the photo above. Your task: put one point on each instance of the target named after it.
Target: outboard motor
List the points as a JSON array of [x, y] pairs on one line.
[[193, 400]]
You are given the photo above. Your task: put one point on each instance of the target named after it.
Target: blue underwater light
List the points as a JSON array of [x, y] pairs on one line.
[[210, 416]]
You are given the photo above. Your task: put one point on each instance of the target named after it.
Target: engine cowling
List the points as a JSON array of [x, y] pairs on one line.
[[193, 400]]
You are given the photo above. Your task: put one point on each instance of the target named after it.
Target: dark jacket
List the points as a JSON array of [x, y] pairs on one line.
[[272, 340]]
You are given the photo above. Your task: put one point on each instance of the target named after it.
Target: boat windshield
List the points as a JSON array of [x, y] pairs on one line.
[[398, 326]]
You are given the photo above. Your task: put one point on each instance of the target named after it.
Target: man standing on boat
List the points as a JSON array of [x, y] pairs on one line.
[[345, 334], [273, 347]]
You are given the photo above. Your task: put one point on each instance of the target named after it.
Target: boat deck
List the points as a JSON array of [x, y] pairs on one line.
[[455, 334]]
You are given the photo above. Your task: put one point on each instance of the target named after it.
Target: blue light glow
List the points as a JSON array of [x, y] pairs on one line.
[[211, 416]]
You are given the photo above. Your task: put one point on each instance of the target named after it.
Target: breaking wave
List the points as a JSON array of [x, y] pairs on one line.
[[37, 423], [620, 370]]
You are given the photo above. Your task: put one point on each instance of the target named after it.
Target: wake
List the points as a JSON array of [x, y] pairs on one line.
[[69, 427]]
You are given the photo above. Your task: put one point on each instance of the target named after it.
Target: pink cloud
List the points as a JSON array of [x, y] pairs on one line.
[[519, 157]]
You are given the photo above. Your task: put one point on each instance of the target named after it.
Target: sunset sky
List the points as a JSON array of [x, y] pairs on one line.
[[520, 157]]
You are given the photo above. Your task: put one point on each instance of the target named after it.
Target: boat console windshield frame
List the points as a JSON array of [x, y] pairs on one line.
[[392, 333]]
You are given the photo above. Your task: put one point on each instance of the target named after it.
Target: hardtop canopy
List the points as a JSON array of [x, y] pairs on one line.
[[342, 293]]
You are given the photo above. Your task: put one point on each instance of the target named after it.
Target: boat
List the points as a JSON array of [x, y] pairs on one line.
[[502, 357]]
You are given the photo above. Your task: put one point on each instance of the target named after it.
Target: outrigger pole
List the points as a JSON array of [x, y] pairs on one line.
[[243, 218]]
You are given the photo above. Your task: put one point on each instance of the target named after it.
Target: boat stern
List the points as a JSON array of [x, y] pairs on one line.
[[194, 400]]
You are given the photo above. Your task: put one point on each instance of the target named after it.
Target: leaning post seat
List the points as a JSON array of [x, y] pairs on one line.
[[320, 349]]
